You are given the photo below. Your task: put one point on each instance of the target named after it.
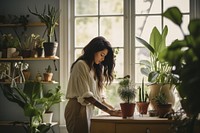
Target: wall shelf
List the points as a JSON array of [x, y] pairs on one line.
[[29, 59]]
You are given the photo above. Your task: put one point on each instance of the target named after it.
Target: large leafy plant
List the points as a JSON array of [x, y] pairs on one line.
[[156, 69], [29, 97], [184, 56]]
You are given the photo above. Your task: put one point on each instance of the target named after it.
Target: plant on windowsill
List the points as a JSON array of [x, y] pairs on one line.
[[156, 69], [48, 75], [143, 102], [163, 107], [50, 19], [127, 93]]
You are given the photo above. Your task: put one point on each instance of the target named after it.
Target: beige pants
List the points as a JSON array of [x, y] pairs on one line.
[[76, 117]]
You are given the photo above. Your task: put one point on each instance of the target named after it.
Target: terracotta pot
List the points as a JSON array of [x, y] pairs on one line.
[[27, 74], [167, 89], [142, 107], [48, 76], [163, 109], [127, 109]]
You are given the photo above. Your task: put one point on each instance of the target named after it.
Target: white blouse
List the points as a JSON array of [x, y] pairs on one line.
[[82, 83]]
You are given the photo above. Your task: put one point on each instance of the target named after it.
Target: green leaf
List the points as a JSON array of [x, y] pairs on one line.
[[146, 44], [174, 14], [155, 40], [153, 76]]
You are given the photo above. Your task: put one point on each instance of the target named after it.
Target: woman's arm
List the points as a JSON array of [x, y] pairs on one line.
[[103, 107]]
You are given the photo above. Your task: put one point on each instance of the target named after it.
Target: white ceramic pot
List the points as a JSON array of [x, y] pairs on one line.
[[10, 52], [47, 117]]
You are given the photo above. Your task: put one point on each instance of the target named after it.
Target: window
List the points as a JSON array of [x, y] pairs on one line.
[[119, 21], [99, 18]]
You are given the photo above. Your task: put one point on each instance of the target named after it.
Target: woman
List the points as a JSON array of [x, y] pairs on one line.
[[85, 86]]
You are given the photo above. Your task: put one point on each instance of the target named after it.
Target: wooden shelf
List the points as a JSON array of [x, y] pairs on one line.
[[33, 24], [31, 59]]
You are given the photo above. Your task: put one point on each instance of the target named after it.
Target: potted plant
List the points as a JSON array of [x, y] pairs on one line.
[[29, 99], [183, 55], [143, 102], [157, 70], [163, 107], [27, 45], [127, 93], [34, 104], [11, 44], [39, 46], [48, 74], [50, 19], [53, 96]]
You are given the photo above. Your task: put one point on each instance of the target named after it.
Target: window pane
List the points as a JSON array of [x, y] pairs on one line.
[[119, 66], [111, 7], [86, 7], [85, 29], [147, 6], [183, 5], [139, 75], [144, 26], [141, 54], [78, 53], [112, 29]]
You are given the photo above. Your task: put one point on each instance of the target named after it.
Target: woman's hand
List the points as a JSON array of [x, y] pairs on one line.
[[115, 112]]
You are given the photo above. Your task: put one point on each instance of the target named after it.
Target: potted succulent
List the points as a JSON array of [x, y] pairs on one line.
[[50, 19], [143, 102], [183, 55], [127, 93], [48, 74], [157, 70], [163, 107]]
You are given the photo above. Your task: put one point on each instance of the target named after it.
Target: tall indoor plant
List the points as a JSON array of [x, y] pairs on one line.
[[50, 19], [156, 69], [184, 56], [127, 93], [33, 101]]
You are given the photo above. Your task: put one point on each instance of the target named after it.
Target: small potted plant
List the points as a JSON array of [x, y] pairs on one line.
[[11, 44], [127, 93], [28, 44], [143, 102], [48, 74], [163, 107], [50, 19]]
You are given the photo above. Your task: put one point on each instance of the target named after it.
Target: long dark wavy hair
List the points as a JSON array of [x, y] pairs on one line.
[[104, 70]]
